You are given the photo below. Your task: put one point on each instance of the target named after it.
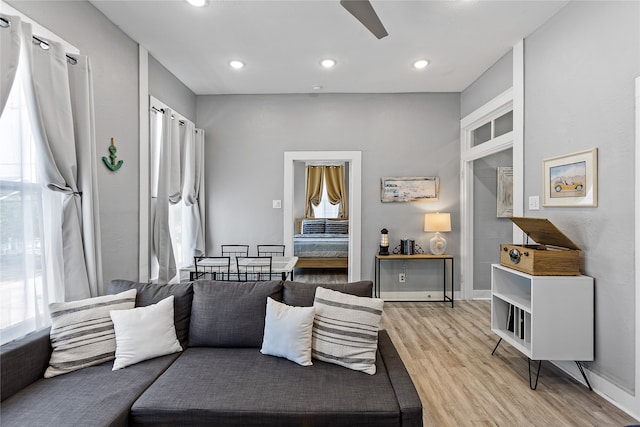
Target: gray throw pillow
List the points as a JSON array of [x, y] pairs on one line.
[[302, 294], [230, 314], [150, 293]]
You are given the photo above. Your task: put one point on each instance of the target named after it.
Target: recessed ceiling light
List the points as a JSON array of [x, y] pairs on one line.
[[197, 3], [317, 87], [236, 64], [328, 63], [420, 64]]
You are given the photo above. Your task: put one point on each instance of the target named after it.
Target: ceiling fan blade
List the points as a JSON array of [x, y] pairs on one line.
[[363, 12]]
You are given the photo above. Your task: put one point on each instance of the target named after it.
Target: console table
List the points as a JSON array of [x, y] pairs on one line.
[[447, 261]]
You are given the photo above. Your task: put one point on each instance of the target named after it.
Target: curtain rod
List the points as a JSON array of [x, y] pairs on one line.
[[161, 110], [6, 23]]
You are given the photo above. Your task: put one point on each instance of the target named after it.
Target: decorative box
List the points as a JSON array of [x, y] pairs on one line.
[[553, 255]]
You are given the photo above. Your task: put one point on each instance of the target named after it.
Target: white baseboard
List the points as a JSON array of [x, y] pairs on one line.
[[416, 296], [603, 387], [480, 295]]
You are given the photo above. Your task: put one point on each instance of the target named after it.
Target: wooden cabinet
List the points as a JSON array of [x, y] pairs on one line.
[[553, 316]]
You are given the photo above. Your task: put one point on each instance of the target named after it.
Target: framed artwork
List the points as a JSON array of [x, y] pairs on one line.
[[571, 180], [409, 189], [504, 192]]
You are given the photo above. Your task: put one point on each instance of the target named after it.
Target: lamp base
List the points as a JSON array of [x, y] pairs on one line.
[[437, 244], [384, 250]]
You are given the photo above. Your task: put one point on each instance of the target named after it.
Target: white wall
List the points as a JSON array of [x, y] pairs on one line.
[[399, 135], [579, 94]]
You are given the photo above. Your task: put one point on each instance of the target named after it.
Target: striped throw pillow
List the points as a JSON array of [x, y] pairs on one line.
[[337, 226], [82, 332], [313, 226], [345, 329]]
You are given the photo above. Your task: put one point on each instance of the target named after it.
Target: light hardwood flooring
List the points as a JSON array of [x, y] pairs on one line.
[[448, 355]]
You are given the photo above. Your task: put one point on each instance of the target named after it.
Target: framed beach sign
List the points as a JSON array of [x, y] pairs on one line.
[[409, 189], [571, 179]]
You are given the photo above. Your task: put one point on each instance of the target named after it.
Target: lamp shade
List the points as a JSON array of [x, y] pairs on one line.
[[437, 222]]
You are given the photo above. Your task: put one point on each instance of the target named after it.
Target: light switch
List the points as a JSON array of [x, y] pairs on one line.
[[277, 204], [534, 203]]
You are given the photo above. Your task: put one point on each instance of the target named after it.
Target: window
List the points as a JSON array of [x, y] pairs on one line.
[[493, 129], [25, 232], [325, 209]]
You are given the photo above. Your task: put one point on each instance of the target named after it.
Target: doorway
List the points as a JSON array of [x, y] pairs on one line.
[[354, 162]]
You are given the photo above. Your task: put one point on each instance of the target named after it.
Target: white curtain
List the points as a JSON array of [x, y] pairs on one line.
[[164, 190], [193, 233], [177, 156], [59, 101]]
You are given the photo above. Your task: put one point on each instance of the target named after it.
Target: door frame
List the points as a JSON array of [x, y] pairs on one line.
[[354, 158], [511, 99]]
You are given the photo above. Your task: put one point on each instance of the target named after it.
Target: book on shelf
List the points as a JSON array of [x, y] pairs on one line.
[[510, 316]]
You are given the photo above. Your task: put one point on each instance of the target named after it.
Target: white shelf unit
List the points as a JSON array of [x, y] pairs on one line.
[[557, 311]]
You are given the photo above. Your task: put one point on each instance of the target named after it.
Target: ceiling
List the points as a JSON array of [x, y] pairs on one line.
[[282, 42]]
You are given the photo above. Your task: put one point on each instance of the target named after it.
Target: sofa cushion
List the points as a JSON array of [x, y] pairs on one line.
[[93, 396], [252, 389], [143, 333], [150, 293], [23, 361], [302, 294], [82, 332], [345, 329], [230, 314], [287, 332]]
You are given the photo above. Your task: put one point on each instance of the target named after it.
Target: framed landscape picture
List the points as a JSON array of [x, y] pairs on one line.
[[571, 179], [409, 189], [504, 192]]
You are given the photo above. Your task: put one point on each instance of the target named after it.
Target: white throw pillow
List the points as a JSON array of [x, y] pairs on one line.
[[144, 333], [287, 332], [345, 329], [82, 332]]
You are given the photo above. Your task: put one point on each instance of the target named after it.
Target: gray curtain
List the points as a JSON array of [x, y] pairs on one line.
[[193, 236], [60, 103]]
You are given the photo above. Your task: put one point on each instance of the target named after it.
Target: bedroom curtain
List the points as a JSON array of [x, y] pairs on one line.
[[315, 176], [336, 190], [58, 97]]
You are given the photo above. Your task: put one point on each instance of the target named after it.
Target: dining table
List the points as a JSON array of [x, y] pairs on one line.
[[283, 265]]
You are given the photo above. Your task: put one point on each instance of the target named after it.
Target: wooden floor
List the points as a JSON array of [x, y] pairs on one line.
[[448, 355]]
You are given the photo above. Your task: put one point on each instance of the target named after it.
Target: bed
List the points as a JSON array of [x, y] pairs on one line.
[[321, 243]]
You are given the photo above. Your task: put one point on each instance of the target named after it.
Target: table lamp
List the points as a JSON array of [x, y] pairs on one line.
[[437, 222], [384, 242]]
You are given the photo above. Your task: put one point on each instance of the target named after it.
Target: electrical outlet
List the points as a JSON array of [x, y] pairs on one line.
[[277, 204], [401, 277]]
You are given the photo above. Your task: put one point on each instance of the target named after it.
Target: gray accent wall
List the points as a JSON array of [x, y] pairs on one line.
[[579, 94], [166, 87], [114, 62], [398, 134], [494, 81]]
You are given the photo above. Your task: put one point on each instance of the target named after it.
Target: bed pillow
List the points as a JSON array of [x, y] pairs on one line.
[[82, 332], [345, 330], [313, 226], [144, 333], [287, 332], [334, 226]]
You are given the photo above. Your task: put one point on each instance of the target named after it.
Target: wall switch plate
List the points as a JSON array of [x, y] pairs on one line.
[[534, 203], [277, 204], [401, 277]]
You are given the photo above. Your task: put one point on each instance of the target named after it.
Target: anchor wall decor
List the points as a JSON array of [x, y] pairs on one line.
[[111, 161]]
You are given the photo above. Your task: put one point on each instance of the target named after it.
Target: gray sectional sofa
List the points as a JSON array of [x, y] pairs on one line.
[[220, 379]]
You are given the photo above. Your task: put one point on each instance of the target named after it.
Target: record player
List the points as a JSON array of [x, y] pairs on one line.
[[553, 255]]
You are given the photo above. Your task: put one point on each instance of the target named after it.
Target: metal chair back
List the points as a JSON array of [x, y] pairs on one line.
[[271, 250], [254, 268], [215, 267]]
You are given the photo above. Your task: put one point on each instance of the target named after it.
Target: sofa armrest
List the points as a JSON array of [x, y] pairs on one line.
[[406, 393], [23, 362]]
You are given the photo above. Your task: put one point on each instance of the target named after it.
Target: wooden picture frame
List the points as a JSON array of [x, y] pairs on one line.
[[504, 192], [571, 180], [409, 189]]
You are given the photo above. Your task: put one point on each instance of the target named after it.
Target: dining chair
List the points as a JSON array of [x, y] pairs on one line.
[[271, 250], [254, 268], [234, 251], [216, 267]]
